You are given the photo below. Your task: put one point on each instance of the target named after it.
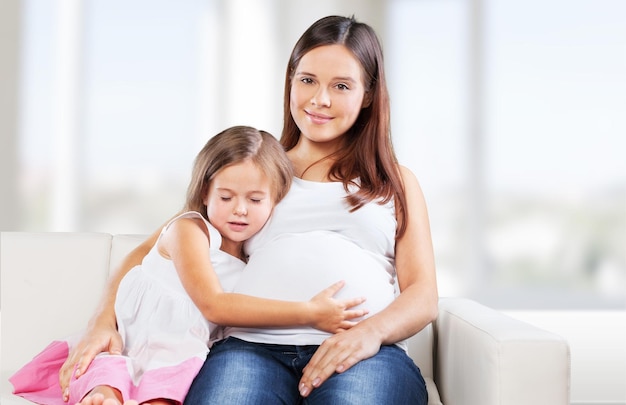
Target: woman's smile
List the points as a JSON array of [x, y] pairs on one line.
[[318, 119]]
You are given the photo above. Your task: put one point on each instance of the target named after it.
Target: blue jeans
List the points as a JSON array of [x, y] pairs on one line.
[[240, 372]]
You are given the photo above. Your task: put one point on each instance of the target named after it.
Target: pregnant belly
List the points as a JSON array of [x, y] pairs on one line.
[[297, 267]]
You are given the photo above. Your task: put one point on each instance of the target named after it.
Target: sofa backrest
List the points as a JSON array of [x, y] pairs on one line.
[[51, 284]]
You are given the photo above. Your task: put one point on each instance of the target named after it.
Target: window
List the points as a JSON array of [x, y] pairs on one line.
[[511, 114]]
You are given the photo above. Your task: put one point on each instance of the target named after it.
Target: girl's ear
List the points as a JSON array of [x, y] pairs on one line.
[[367, 99], [205, 193]]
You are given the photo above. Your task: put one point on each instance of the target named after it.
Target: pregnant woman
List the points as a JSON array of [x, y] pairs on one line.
[[352, 213]]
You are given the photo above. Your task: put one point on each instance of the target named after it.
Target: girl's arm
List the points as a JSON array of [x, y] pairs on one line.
[[410, 312], [186, 243], [101, 334]]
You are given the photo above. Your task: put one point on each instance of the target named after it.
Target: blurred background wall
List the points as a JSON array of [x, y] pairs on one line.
[[511, 114]]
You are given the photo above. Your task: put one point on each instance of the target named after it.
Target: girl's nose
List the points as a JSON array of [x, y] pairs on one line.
[[240, 209]]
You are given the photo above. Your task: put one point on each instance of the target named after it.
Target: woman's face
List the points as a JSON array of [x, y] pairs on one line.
[[239, 202], [327, 92]]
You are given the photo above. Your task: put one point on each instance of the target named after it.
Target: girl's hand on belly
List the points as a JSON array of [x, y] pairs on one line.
[[335, 315]]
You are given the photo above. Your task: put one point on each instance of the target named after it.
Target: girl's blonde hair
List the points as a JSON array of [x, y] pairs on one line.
[[232, 146]]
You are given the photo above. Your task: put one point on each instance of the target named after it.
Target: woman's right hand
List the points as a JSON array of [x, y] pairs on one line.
[[335, 315], [99, 338]]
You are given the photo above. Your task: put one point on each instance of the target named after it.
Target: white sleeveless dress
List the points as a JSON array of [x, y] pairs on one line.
[[166, 338]]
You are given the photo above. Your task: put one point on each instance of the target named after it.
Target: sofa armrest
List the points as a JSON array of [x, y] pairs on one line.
[[488, 358]]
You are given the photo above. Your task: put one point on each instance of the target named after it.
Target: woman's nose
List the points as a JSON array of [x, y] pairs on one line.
[[321, 98]]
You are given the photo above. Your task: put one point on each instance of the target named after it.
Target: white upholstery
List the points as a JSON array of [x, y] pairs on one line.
[[51, 283], [512, 362]]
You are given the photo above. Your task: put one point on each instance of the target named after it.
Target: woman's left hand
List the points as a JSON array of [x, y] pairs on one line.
[[337, 354]]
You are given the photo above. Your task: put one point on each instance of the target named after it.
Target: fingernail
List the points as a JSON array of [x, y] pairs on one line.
[[304, 391], [316, 382]]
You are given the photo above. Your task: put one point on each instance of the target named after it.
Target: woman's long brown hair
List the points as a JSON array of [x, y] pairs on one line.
[[368, 153]]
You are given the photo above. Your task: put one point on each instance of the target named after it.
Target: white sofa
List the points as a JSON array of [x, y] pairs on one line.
[[471, 355]]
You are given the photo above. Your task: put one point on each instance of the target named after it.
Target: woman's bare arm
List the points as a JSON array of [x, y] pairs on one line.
[[101, 334], [410, 312]]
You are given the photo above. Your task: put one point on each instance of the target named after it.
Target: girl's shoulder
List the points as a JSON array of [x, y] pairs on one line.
[[188, 217], [188, 220], [189, 223]]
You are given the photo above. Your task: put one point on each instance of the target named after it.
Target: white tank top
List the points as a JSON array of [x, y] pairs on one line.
[[311, 241]]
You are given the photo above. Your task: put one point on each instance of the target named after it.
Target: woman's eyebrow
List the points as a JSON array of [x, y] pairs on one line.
[[340, 78], [345, 79], [305, 73]]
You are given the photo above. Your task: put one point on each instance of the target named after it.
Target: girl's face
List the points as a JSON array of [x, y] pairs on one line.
[[239, 202], [327, 93]]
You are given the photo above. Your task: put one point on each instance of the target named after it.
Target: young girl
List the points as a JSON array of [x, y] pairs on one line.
[[163, 305]]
